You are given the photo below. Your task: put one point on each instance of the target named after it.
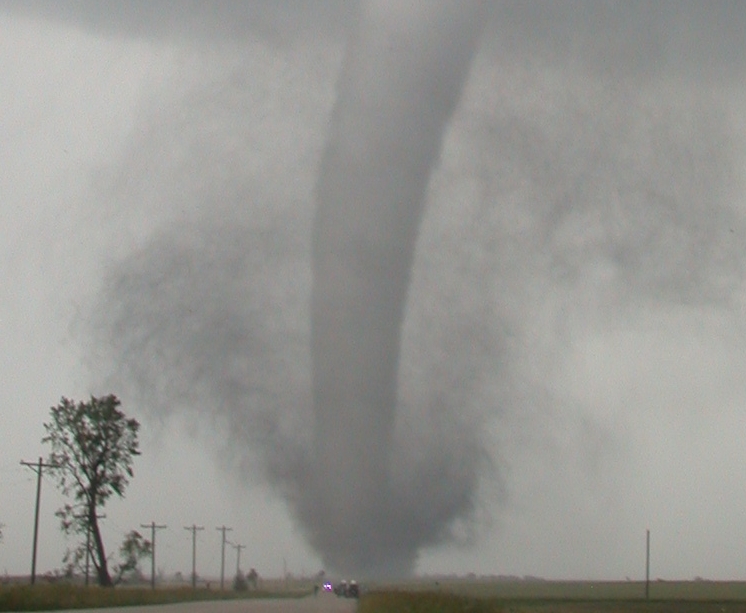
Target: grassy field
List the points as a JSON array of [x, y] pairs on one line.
[[45, 597], [492, 596], [594, 590]]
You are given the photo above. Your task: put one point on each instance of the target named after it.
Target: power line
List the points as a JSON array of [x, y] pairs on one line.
[[222, 529], [153, 527], [194, 528], [37, 467]]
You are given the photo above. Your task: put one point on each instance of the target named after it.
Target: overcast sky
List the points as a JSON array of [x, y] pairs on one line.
[[578, 289]]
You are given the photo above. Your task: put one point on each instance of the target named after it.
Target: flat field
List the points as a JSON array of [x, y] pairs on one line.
[[528, 596], [62, 596]]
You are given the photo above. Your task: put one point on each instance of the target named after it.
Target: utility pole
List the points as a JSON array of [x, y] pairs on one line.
[[647, 565], [193, 528], [37, 467], [222, 529], [153, 527], [88, 543], [238, 549]]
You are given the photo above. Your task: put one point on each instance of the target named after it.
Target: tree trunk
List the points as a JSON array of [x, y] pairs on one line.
[[104, 578]]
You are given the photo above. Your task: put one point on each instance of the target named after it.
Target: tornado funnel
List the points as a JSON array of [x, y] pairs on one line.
[[402, 76]]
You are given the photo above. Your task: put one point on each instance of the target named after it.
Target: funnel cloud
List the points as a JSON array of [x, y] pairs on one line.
[[400, 81]]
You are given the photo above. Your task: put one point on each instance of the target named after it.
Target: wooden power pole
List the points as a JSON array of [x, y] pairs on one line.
[[37, 467], [193, 529], [222, 529], [153, 527]]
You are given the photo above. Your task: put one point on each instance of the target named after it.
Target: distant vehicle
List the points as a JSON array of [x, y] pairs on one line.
[[343, 589], [327, 587]]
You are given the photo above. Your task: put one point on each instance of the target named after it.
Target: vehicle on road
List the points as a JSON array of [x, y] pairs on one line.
[[345, 589]]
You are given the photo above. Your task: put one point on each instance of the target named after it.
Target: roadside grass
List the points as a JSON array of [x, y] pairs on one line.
[[556, 597], [67, 596], [433, 602], [487, 587]]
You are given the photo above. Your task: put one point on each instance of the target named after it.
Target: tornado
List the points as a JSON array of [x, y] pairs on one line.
[[404, 68]]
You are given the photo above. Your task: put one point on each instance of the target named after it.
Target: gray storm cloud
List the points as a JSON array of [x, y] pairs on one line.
[[357, 361]]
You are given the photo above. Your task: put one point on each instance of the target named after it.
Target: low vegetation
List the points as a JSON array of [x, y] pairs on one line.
[[411, 602], [556, 597], [67, 596]]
